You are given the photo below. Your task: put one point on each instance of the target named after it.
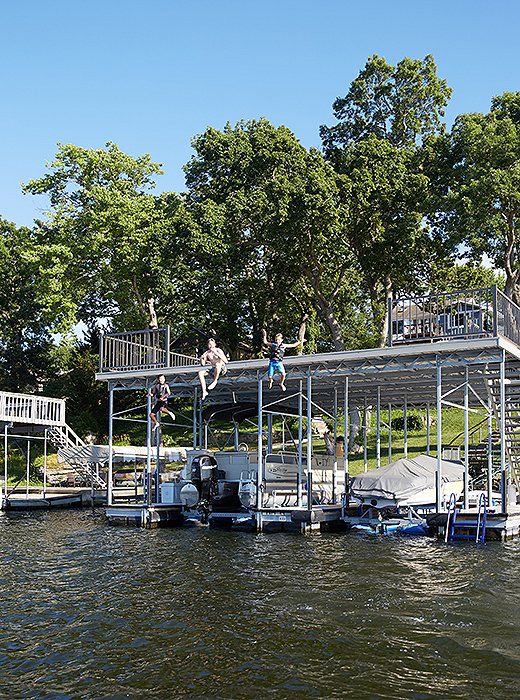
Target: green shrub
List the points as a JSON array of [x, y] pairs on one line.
[[414, 423]]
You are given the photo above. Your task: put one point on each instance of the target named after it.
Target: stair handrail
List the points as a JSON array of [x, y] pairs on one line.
[[481, 519], [471, 432], [450, 528]]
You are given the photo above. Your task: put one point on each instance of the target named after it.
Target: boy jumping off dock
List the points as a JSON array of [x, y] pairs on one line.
[[276, 354], [160, 392], [217, 359]]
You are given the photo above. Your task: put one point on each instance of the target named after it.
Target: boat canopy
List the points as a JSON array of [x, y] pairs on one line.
[[99, 454], [404, 478]]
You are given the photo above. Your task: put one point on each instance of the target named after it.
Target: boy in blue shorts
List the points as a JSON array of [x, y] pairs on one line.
[[276, 354]]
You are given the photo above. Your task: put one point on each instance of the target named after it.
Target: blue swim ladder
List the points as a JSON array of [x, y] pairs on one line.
[[479, 525]]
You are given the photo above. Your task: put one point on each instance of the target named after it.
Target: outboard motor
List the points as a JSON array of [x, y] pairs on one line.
[[204, 476], [247, 490]]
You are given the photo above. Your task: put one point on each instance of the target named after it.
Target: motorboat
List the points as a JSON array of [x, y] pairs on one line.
[[408, 482], [395, 498], [227, 481]]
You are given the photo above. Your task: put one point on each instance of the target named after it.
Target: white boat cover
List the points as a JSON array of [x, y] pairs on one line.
[[404, 478]]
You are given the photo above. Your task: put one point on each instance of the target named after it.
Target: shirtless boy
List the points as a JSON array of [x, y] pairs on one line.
[[215, 357]]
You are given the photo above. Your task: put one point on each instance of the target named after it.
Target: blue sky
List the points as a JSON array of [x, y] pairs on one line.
[[149, 75]]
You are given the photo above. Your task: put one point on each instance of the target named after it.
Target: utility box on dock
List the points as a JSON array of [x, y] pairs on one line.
[[170, 492]]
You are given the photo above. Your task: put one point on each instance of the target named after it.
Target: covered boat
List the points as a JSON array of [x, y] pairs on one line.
[[407, 482]]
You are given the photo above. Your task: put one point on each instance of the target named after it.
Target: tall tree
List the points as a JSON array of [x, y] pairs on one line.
[[482, 202], [272, 213], [98, 249], [376, 146], [25, 338]]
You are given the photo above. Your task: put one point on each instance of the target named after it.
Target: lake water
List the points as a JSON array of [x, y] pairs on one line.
[[91, 611]]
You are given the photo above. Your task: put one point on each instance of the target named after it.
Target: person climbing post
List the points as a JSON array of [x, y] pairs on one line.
[[217, 359], [276, 354], [160, 392]]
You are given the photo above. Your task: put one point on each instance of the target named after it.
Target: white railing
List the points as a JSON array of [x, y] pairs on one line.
[[27, 408]]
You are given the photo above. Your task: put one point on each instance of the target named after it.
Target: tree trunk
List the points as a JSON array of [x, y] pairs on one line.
[[301, 333], [512, 288], [327, 315], [385, 325], [152, 314]]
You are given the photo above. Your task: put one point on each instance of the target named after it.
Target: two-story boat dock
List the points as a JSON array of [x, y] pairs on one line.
[[450, 350]]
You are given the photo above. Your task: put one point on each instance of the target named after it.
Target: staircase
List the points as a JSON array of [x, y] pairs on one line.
[[512, 417], [63, 437]]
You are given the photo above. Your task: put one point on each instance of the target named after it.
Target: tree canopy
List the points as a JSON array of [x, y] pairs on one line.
[[377, 148], [269, 235], [482, 199]]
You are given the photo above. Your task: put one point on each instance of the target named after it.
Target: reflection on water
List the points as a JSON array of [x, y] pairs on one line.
[[90, 611]]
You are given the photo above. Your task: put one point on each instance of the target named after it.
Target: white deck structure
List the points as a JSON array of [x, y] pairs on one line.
[[35, 417]]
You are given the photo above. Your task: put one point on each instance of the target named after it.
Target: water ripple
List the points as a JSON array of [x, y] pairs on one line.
[[90, 611]]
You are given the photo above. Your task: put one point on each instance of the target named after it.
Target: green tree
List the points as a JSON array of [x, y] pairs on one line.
[[271, 214], [482, 198], [449, 277], [377, 148], [25, 340], [99, 252]]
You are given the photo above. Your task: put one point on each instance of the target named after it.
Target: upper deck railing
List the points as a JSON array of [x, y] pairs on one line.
[[31, 409], [473, 313], [140, 350]]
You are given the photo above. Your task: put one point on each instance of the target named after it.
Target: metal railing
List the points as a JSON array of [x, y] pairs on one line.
[[140, 350], [507, 318], [470, 313], [27, 408]]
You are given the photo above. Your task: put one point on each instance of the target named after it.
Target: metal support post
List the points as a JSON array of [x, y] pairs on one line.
[[200, 426], [194, 418], [365, 437], [490, 451], [269, 433], [427, 428], [300, 446], [45, 462], [260, 446], [466, 439], [503, 473], [335, 437], [378, 428], [28, 462], [495, 310], [309, 442], [158, 436], [405, 425], [346, 440], [439, 438], [148, 450], [5, 460], [110, 476], [389, 433]]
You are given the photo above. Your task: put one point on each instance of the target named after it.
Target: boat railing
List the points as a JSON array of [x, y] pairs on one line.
[[283, 485], [31, 409], [140, 350]]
